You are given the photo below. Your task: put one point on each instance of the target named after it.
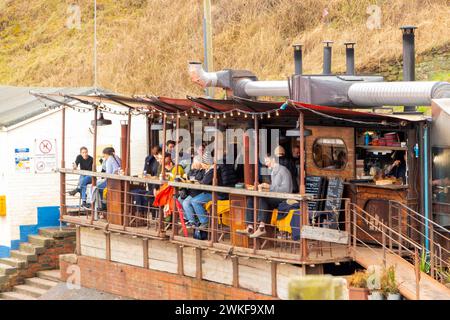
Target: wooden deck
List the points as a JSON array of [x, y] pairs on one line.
[[430, 289]]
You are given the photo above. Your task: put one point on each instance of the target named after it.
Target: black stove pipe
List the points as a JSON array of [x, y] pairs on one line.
[[350, 58], [409, 59], [298, 58], [327, 57]]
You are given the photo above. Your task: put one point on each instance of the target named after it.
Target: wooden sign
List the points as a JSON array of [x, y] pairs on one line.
[[324, 234]]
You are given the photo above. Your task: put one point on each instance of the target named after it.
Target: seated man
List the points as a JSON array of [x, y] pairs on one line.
[[281, 181], [85, 162]]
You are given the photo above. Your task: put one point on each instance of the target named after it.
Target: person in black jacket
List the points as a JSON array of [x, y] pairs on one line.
[[185, 196]]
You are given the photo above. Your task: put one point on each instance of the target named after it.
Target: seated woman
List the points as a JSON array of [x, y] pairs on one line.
[[281, 181], [170, 171], [186, 195], [112, 166]]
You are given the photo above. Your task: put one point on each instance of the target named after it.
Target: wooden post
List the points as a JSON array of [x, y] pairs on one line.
[[273, 271], [94, 162], [180, 262], [235, 261], [145, 253], [62, 176], [163, 174], [256, 181], [108, 245], [198, 263], [304, 206], [383, 241], [126, 207], [215, 179], [417, 269], [177, 161], [78, 240]]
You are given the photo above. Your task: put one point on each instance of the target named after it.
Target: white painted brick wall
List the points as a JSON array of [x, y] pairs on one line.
[[27, 191]]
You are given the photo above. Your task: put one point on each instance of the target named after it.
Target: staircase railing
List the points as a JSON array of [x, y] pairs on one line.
[[423, 232], [390, 238]]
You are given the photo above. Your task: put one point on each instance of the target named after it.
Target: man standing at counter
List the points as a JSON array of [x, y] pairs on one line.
[[398, 168]]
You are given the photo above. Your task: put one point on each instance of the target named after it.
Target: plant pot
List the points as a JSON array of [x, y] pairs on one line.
[[376, 295], [394, 296], [358, 293]]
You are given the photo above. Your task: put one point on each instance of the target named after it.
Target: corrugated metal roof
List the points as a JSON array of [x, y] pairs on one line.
[[17, 104]]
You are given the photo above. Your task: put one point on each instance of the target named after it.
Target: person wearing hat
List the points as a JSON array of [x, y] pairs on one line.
[[281, 181], [280, 155]]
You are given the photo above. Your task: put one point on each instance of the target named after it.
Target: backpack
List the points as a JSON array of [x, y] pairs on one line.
[[200, 234]]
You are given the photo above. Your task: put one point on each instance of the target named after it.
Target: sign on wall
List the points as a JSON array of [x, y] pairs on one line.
[[45, 157], [324, 234], [22, 157], [2, 206]]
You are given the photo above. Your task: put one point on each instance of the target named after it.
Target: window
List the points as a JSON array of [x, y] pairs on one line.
[[330, 153]]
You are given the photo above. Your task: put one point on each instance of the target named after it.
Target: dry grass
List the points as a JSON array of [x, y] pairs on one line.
[[144, 45]]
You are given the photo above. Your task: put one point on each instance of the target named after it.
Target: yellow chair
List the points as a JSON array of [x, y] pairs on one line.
[[283, 224], [223, 211]]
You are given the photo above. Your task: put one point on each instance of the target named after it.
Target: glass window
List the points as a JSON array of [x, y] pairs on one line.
[[441, 175], [330, 153]]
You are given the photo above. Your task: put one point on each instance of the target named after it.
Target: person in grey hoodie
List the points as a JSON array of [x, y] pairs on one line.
[[281, 181]]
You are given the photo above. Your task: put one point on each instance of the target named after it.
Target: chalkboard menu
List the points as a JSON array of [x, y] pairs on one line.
[[315, 186], [334, 201]]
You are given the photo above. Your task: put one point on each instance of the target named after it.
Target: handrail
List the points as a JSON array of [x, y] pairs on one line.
[[416, 213]]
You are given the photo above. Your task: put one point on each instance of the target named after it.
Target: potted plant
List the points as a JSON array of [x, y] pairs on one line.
[[374, 283], [357, 286], [389, 284]]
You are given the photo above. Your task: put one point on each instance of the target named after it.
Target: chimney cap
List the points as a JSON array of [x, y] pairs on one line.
[[328, 42], [349, 43], [408, 28]]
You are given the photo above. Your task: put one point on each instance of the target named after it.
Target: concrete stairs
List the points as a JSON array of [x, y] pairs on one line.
[[33, 287], [27, 263]]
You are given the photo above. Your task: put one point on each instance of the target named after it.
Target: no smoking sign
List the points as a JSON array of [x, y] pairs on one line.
[[45, 146]]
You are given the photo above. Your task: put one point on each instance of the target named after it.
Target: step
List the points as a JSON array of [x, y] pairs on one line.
[[3, 279], [29, 290], [31, 248], [40, 283], [52, 275], [25, 256], [40, 240], [6, 269], [19, 264], [15, 296], [57, 232]]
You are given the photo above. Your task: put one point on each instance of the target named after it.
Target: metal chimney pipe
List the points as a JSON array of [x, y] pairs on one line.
[[350, 57], [327, 57], [298, 58], [409, 59]]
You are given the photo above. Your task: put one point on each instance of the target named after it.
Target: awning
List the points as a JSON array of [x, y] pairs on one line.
[[212, 107]]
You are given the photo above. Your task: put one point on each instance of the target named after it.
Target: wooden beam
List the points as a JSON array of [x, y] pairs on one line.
[[78, 240]]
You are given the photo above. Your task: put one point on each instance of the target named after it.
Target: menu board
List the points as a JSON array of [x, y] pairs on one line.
[[334, 194], [315, 186]]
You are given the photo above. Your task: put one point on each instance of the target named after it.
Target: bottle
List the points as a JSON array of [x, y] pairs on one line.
[[366, 138], [416, 150]]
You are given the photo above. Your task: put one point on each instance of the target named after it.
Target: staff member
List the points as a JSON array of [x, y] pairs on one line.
[[398, 168]]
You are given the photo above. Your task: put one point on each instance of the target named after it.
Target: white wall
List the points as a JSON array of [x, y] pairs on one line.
[[5, 234], [27, 191]]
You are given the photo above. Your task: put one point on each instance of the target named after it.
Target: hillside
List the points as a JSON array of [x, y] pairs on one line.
[[144, 45]]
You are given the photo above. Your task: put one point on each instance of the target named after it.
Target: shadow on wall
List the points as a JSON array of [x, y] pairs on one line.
[[46, 217]]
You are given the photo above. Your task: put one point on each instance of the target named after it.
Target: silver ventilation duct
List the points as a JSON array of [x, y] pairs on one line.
[[336, 91], [406, 93]]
